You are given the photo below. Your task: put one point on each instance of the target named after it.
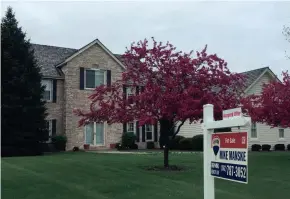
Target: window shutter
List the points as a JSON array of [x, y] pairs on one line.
[[124, 128], [155, 133], [54, 91], [108, 77], [53, 129], [143, 133], [124, 92], [82, 78], [137, 132]]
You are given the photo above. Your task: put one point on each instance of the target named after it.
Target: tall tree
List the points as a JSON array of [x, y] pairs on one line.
[[170, 87], [273, 105], [23, 111]]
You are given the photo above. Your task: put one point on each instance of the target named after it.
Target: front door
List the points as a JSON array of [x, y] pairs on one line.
[[99, 138], [94, 134]]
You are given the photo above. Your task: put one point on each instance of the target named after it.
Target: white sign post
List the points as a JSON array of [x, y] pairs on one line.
[[216, 166]]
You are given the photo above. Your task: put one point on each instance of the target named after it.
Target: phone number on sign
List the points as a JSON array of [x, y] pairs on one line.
[[230, 171], [237, 171]]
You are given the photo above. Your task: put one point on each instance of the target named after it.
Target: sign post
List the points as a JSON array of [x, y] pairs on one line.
[[225, 154]]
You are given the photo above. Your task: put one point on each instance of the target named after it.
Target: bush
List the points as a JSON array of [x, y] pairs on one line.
[[288, 147], [76, 148], [59, 142], [197, 143], [279, 147], [174, 143], [185, 144], [134, 146], [266, 147], [256, 147], [150, 145], [128, 140]]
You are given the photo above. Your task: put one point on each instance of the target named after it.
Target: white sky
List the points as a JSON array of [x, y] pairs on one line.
[[248, 35]]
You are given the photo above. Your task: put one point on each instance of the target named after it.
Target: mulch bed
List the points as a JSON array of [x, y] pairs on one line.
[[162, 168]]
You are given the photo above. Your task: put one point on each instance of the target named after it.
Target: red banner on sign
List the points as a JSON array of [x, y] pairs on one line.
[[230, 140]]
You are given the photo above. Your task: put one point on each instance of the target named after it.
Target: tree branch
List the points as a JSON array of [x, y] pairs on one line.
[[178, 129]]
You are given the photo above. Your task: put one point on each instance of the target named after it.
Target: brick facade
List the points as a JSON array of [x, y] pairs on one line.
[[93, 57], [55, 110]]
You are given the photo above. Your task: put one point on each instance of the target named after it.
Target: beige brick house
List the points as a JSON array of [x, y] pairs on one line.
[[70, 75]]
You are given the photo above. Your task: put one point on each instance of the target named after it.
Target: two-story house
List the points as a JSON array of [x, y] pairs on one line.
[[70, 75]]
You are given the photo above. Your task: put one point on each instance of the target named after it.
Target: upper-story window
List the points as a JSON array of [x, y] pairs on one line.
[[94, 78], [130, 91], [47, 95]]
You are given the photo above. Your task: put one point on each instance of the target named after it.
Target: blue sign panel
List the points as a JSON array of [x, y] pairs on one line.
[[235, 172], [230, 156]]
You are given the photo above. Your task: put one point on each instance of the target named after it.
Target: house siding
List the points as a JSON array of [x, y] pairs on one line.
[[190, 130], [76, 98], [265, 134], [55, 110]]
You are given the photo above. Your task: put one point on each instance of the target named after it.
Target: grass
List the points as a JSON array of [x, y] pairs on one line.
[[114, 176]]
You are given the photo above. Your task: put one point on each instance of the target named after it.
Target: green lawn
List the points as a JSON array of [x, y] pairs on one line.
[[113, 176]]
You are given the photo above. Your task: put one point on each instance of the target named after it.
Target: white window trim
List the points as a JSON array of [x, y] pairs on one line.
[[95, 69], [281, 138], [134, 127], [51, 90], [49, 131], [94, 132], [152, 131], [254, 138]]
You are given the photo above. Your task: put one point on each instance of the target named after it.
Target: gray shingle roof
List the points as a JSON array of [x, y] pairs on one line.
[[48, 56], [252, 75]]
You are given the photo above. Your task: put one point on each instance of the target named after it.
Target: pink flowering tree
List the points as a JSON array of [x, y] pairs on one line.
[[170, 86], [273, 105]]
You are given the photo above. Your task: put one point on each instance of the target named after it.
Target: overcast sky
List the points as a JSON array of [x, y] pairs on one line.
[[248, 35]]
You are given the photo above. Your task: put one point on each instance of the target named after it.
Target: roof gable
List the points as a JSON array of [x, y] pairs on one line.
[[117, 58], [253, 76]]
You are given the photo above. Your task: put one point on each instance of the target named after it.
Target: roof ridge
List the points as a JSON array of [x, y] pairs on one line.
[[256, 69], [54, 46]]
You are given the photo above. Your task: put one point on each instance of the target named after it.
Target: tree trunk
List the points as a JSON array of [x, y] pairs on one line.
[[166, 156]]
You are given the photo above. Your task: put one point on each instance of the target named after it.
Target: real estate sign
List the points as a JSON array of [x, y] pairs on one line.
[[230, 156]]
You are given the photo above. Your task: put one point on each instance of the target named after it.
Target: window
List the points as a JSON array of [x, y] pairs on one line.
[[149, 132], [48, 125], [254, 130], [47, 96], [281, 133], [130, 92], [95, 134], [130, 127], [94, 78]]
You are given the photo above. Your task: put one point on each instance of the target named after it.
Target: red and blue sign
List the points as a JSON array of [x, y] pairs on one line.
[[230, 156]]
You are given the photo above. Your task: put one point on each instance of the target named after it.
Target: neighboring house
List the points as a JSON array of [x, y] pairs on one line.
[[258, 133], [70, 75]]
